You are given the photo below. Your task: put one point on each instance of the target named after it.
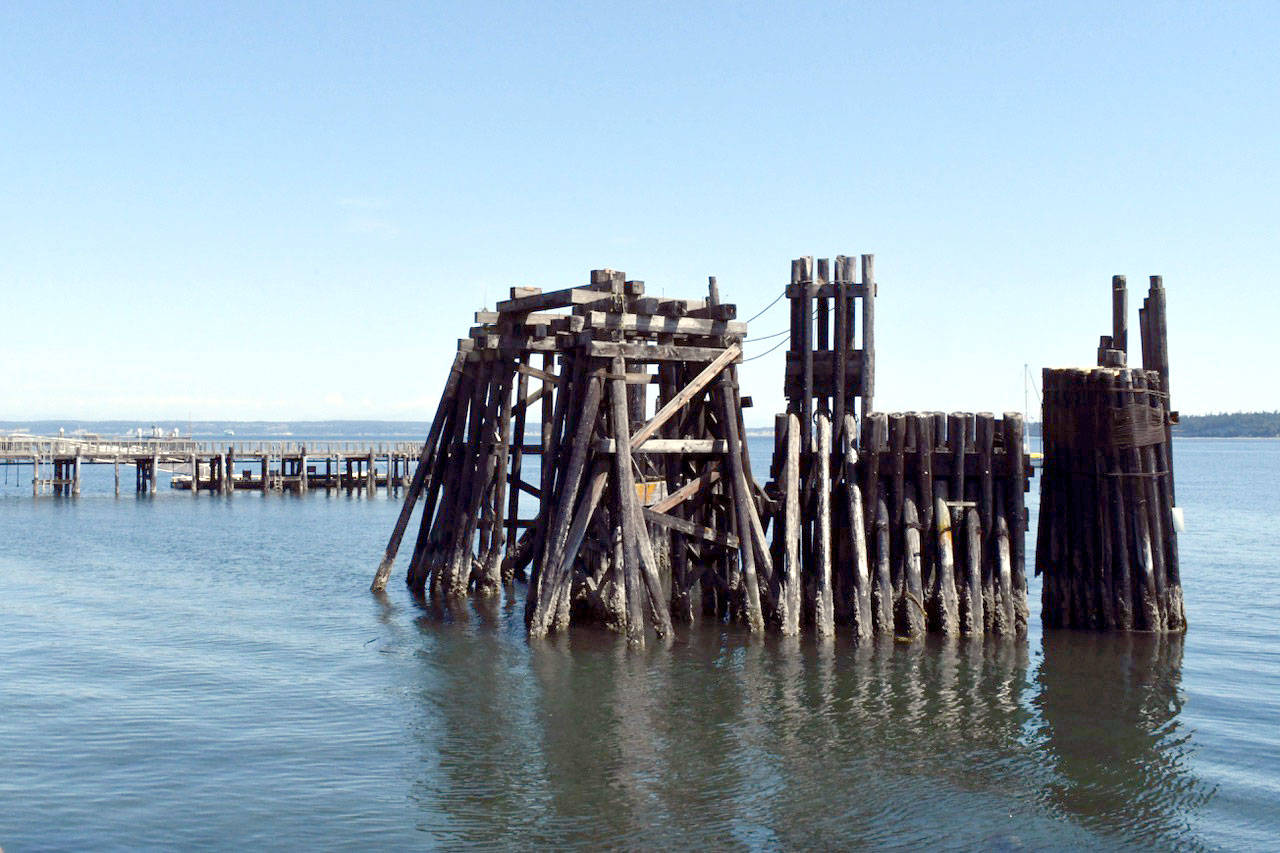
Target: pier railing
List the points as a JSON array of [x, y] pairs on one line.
[[23, 447]]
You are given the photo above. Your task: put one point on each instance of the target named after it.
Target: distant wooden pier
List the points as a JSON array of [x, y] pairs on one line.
[[56, 463]]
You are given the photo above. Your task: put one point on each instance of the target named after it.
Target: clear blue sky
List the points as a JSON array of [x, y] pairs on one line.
[[291, 211]]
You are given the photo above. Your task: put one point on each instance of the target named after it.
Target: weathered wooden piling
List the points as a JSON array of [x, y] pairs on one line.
[[1106, 544]]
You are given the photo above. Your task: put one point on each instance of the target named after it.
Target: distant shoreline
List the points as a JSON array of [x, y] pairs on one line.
[[1239, 425]]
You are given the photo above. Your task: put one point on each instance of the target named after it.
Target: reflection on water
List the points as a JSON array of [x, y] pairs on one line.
[[726, 741], [1109, 723], [240, 689]]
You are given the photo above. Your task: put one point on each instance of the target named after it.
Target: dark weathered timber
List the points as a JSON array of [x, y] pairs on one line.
[[868, 333], [841, 349]]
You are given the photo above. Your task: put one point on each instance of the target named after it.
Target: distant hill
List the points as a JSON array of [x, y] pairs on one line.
[[1233, 425], [1222, 425]]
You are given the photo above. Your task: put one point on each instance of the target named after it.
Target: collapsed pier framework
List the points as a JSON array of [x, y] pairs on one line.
[[646, 513]]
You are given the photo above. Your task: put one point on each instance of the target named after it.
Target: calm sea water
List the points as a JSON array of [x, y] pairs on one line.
[[183, 672]]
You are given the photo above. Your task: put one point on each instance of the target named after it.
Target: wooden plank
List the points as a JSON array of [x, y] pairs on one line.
[[492, 318], [659, 352], [529, 370], [553, 299], [688, 490], [682, 398]]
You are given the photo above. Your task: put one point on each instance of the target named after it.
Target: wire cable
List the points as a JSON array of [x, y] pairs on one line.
[[766, 352], [770, 305], [768, 337]]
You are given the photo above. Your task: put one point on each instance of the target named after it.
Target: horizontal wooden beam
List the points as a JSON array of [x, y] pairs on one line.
[[670, 445], [658, 325], [659, 352], [825, 291], [491, 318], [536, 373], [823, 362]]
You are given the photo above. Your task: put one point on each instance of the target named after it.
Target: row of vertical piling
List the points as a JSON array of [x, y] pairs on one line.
[[892, 524]]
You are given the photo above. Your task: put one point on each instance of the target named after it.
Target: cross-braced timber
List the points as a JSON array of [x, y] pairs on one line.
[[645, 506]]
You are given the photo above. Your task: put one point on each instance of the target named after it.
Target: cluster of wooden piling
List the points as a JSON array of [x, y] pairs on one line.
[[904, 524], [647, 512], [1107, 544]]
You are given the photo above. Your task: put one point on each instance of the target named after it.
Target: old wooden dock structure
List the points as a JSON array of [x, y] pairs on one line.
[[647, 513], [56, 463]]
